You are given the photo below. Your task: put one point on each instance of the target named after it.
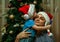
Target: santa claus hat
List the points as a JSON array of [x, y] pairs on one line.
[[50, 15], [27, 10], [46, 16]]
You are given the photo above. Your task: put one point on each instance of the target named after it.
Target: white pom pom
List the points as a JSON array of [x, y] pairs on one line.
[[51, 34], [26, 16], [2, 34], [48, 30]]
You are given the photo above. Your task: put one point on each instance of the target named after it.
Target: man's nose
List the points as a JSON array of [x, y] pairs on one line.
[[38, 19]]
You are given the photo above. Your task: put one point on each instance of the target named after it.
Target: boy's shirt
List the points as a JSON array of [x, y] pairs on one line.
[[28, 24]]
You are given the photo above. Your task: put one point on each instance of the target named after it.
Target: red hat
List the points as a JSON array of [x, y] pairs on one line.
[[50, 15], [27, 10], [24, 9]]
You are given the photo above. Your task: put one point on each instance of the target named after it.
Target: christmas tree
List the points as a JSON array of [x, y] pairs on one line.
[[15, 19]]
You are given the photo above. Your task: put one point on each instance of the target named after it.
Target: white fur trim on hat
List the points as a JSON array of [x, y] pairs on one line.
[[45, 16], [31, 10], [26, 16]]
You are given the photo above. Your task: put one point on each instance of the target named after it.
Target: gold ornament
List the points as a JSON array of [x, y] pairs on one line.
[[35, 2], [3, 30], [11, 16], [11, 32], [16, 25]]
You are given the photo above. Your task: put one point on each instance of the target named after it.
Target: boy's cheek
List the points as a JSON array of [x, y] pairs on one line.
[[37, 23]]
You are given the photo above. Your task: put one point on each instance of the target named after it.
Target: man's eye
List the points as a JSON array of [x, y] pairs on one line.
[[37, 17], [42, 18]]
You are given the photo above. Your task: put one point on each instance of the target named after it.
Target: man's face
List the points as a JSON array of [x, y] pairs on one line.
[[40, 20]]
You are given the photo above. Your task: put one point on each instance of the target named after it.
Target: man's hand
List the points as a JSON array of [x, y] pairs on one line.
[[23, 34]]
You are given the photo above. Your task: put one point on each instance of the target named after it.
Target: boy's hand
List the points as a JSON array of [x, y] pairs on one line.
[[48, 26]]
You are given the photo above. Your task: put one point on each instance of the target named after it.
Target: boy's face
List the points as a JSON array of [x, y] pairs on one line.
[[40, 20]]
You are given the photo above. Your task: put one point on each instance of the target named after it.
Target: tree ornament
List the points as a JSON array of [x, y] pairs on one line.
[[3, 30], [35, 2], [16, 25], [11, 16], [11, 32]]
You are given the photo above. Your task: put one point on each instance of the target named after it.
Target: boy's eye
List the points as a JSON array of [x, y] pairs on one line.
[[36, 16]]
